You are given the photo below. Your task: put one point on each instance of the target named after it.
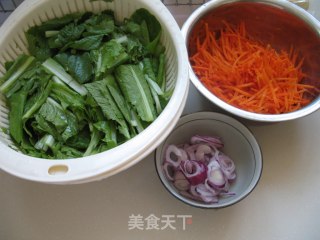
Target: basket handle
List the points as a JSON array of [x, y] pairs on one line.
[[58, 169]]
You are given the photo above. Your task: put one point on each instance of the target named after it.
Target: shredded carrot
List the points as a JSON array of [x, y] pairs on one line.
[[249, 74]]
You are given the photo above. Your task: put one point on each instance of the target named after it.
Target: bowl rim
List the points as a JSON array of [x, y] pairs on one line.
[[244, 130], [284, 5]]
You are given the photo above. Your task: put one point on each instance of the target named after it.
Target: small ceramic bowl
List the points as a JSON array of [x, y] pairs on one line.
[[239, 144]]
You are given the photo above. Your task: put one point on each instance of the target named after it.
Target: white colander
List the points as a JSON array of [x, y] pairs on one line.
[[13, 43]]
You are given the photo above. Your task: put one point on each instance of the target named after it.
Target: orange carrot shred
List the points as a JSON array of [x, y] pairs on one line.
[[249, 74]]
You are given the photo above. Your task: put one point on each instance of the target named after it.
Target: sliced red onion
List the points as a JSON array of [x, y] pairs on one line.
[[216, 177], [219, 188], [175, 155], [184, 155], [194, 171], [214, 141], [215, 155], [222, 192], [214, 191], [201, 151], [198, 170], [191, 151], [201, 191], [227, 166], [180, 181], [169, 171]]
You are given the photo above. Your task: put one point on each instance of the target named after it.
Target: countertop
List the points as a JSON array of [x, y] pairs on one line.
[[133, 204]]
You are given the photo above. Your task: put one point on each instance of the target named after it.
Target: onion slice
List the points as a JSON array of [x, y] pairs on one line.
[[180, 181], [201, 191], [227, 166], [212, 141], [216, 177], [168, 170], [199, 170], [202, 151], [194, 171], [175, 155]]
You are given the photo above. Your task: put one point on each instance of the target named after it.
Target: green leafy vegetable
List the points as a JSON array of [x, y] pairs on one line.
[[95, 139], [38, 44], [88, 84], [79, 66], [110, 55], [56, 69], [110, 133], [66, 35], [16, 70], [45, 142], [101, 24], [87, 43], [17, 102], [37, 101], [58, 23], [104, 99], [66, 96], [53, 113], [136, 90], [150, 28]]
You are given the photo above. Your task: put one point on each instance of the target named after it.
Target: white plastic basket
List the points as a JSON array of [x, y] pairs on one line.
[[13, 42]]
